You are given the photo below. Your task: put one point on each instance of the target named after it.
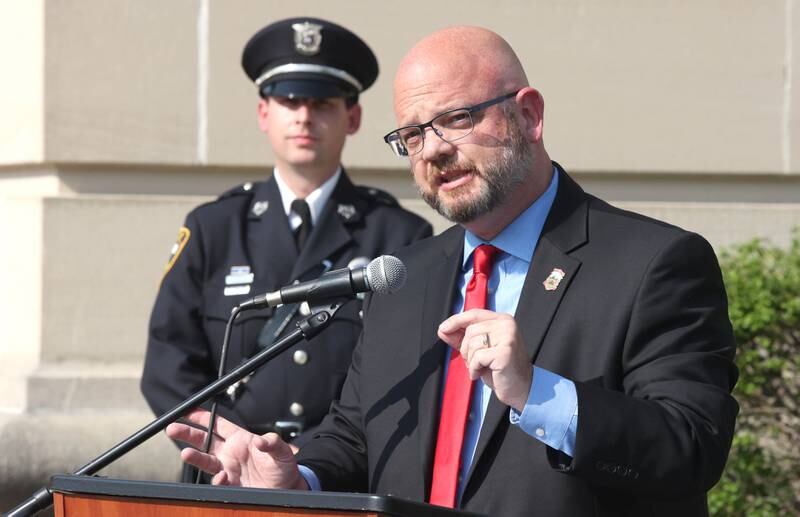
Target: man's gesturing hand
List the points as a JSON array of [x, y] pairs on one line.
[[492, 347], [238, 457]]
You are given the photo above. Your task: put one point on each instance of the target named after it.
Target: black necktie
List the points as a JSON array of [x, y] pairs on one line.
[[300, 207]]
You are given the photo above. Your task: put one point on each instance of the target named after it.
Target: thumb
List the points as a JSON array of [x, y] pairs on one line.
[[220, 479], [272, 444]]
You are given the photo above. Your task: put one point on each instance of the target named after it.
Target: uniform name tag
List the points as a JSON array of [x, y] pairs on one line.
[[235, 290], [239, 279]]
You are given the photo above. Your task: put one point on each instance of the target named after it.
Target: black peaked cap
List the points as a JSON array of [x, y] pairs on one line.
[[309, 57]]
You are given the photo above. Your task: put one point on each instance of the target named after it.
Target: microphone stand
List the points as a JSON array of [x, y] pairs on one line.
[[306, 329], [223, 360]]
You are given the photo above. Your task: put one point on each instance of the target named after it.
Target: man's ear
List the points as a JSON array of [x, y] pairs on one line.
[[353, 118], [531, 106], [262, 111]]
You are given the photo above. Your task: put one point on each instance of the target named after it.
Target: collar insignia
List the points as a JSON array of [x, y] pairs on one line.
[[347, 212], [259, 207]]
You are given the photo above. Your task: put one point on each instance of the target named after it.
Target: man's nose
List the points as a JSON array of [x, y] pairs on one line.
[[435, 146], [304, 112]]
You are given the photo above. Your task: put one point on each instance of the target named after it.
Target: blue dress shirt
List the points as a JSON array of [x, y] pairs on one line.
[[551, 412]]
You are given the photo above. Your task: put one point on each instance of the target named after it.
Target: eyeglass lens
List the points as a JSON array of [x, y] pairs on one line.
[[449, 126]]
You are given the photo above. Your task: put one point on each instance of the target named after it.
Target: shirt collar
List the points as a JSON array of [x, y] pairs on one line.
[[316, 200], [521, 236]]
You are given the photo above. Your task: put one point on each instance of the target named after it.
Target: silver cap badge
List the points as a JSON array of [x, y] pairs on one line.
[[307, 38]]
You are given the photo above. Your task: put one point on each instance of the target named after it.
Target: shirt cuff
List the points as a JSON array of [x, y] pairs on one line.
[[311, 478], [551, 412]]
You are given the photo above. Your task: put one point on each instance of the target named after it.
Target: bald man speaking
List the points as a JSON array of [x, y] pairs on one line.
[[550, 355]]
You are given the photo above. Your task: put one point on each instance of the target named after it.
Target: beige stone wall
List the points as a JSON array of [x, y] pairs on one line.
[[629, 86], [120, 81], [119, 116]]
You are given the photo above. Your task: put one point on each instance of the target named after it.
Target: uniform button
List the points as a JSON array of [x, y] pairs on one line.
[[247, 186], [471, 417], [300, 357], [296, 409], [539, 432]]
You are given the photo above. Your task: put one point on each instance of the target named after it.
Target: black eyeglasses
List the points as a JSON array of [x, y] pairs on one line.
[[450, 126]]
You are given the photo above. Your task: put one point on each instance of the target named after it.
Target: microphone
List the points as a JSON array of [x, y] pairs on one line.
[[383, 275]]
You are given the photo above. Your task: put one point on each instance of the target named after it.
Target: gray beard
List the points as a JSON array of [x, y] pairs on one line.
[[501, 176]]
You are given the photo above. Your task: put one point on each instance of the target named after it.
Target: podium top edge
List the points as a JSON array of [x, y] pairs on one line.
[[343, 501]]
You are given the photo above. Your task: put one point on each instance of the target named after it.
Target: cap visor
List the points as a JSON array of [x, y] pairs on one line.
[[302, 88]]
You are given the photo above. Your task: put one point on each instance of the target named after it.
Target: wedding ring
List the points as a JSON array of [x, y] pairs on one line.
[[487, 343]]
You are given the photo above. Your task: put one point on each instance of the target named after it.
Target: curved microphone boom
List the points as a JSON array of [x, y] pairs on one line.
[[383, 275]]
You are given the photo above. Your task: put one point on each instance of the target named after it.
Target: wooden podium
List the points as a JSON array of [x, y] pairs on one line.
[[82, 496]]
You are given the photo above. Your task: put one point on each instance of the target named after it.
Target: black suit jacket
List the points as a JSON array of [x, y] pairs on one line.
[[639, 323], [247, 226]]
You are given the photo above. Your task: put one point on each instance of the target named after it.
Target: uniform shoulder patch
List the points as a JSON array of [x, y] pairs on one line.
[[239, 190], [377, 195], [183, 237]]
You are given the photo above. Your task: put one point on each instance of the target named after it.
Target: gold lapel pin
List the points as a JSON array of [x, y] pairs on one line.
[[553, 279]]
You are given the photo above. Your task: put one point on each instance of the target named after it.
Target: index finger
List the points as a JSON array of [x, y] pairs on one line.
[[222, 426], [459, 322]]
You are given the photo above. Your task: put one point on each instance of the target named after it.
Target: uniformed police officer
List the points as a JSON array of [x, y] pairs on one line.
[[307, 218]]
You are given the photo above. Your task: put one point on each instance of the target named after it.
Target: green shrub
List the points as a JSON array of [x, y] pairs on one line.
[[762, 477]]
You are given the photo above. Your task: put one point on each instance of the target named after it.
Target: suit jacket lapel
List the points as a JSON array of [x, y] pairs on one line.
[[330, 234], [564, 230], [269, 241], [440, 289], [553, 269]]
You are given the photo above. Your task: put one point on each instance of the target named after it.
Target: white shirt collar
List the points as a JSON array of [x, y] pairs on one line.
[[316, 200]]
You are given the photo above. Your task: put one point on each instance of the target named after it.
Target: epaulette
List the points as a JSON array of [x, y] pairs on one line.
[[377, 195], [239, 190]]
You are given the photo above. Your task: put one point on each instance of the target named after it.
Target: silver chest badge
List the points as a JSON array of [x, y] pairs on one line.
[[259, 207], [307, 38]]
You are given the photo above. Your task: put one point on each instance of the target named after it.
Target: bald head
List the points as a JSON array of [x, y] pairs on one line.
[[480, 170], [461, 57]]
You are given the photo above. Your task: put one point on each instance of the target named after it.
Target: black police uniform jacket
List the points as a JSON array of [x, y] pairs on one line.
[[247, 227]]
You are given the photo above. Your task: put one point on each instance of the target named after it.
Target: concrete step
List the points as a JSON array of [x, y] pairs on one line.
[[35, 446], [76, 386]]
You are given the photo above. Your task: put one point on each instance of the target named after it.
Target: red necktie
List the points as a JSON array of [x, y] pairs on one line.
[[458, 393]]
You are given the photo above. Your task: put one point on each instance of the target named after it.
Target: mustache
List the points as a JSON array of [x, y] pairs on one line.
[[447, 164]]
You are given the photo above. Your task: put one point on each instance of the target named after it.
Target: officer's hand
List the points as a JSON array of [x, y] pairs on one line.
[[492, 347], [238, 457]]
